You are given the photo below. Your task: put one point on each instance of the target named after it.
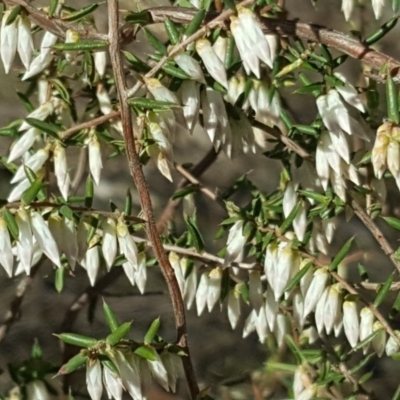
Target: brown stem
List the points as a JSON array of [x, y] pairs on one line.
[[138, 176]]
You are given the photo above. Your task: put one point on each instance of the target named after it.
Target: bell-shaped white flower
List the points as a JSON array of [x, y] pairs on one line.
[[250, 324], [6, 254], [100, 62], [158, 371], [44, 238], [271, 309], [377, 6], [392, 345], [308, 393], [347, 8], [25, 42], [287, 265], [112, 383], [190, 97], [35, 162], [109, 243], [160, 92], [201, 294], [36, 390], [172, 364], [366, 325], [211, 61], [306, 279], [281, 328], [38, 65], [48, 41], [191, 66], [61, 170], [319, 311], [189, 294], [8, 41], [351, 323], [140, 273], [40, 113], [290, 200], [235, 243], [270, 262], [332, 307], [214, 287], [104, 100], [91, 260], [379, 341], [261, 326], [23, 144], [298, 380], [315, 290], [233, 307], [220, 48], [348, 92], [24, 242], [298, 309], [95, 162], [126, 244], [70, 243], [94, 382]]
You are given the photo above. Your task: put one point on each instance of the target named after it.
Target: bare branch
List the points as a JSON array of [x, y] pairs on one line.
[[138, 176]]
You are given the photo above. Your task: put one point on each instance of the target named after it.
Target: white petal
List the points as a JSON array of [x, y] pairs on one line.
[[94, 383], [347, 8], [95, 163], [23, 144], [233, 308], [191, 66], [235, 243], [25, 42], [112, 383], [201, 294], [350, 322], [24, 243], [214, 288], [315, 290], [8, 43], [109, 244], [6, 254], [61, 170]]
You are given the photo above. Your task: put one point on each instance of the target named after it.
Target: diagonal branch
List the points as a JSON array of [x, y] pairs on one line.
[[138, 176]]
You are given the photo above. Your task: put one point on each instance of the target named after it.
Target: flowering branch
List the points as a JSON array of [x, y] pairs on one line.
[[138, 176]]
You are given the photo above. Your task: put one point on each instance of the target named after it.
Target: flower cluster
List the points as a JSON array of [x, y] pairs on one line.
[[348, 6]]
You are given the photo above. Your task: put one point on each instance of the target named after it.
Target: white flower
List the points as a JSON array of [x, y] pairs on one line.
[[158, 371], [103, 99], [213, 64], [24, 242], [38, 65], [347, 8], [220, 48], [270, 262], [61, 170], [235, 243], [48, 41], [271, 309], [379, 341], [36, 390], [379, 151], [281, 328], [70, 243], [9, 40], [377, 6], [40, 113], [160, 92], [250, 323], [35, 162], [23, 144], [350, 322], [6, 254], [91, 261], [233, 307], [172, 364], [191, 66], [366, 325], [201, 294], [315, 290], [126, 244], [392, 345], [112, 383], [214, 287], [290, 200], [190, 97], [332, 307], [298, 309], [319, 311], [261, 326], [94, 383], [25, 42], [348, 92], [95, 163], [44, 238], [109, 244], [100, 62], [140, 273]]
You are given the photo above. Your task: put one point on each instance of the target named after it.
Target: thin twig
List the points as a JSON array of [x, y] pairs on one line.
[[14, 310], [138, 176]]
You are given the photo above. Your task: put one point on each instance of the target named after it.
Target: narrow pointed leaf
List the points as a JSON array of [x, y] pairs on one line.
[[341, 255], [152, 331], [73, 364], [146, 352], [392, 100], [77, 340], [11, 223], [296, 279], [119, 333], [110, 317], [383, 291]]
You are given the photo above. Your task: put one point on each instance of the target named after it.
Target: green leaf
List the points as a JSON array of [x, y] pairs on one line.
[[381, 32], [195, 23], [146, 352], [52, 7], [230, 4], [155, 42], [47, 127], [67, 212], [288, 221], [137, 64], [36, 351], [189, 189], [175, 71], [395, 8], [383, 291], [141, 18], [13, 15], [340, 256], [26, 102], [196, 239], [59, 279], [119, 333], [392, 100], [62, 91], [296, 279], [172, 31], [11, 223], [128, 203], [319, 198], [392, 222], [73, 364], [363, 272], [83, 45], [151, 104], [110, 317], [396, 395], [32, 192], [78, 15], [77, 340], [152, 331], [89, 192]]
